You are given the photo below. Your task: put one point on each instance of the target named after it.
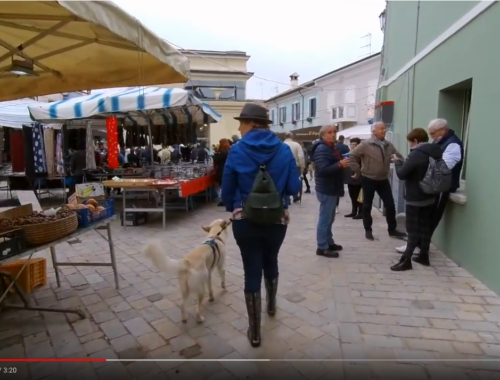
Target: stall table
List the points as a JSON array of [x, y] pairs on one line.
[[56, 264], [186, 190]]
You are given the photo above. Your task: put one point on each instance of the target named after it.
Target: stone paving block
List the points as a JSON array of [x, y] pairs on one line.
[[353, 307]]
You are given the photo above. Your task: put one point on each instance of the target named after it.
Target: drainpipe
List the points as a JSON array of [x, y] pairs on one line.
[[277, 111], [411, 113], [302, 110]]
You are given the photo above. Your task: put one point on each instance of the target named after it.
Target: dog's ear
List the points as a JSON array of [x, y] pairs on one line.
[[205, 228]]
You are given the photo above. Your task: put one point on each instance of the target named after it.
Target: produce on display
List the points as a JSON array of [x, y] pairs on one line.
[[37, 217]]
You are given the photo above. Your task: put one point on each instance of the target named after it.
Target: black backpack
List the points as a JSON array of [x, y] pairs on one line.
[[264, 204]]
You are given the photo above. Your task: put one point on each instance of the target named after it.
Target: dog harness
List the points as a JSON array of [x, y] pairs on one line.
[[212, 243]]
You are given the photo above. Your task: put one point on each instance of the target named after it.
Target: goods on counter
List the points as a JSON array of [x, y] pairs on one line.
[[165, 182], [91, 204], [37, 218]]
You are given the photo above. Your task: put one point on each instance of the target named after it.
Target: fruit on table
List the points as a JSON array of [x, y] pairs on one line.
[[36, 218]]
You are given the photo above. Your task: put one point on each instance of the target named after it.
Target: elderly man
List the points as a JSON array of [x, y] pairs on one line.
[[372, 160], [329, 186], [298, 154], [453, 153]]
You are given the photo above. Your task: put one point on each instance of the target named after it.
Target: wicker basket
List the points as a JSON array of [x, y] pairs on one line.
[[43, 233]]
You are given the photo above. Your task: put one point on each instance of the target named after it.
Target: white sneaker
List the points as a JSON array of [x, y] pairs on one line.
[[337, 210], [402, 249]]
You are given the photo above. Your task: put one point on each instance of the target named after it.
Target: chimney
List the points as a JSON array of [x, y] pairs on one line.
[[294, 80]]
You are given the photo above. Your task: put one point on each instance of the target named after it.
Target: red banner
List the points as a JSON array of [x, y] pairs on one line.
[[112, 136]]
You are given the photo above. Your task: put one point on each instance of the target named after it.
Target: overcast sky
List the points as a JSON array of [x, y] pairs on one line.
[[310, 37]]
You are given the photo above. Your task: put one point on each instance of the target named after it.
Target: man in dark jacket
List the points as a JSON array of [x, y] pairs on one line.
[[419, 205], [329, 171], [341, 147]]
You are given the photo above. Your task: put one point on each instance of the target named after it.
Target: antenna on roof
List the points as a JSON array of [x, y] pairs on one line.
[[368, 44]]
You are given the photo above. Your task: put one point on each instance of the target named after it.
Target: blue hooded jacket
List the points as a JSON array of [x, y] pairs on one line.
[[258, 147]]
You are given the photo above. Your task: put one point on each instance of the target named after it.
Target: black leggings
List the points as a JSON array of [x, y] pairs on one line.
[[259, 246]]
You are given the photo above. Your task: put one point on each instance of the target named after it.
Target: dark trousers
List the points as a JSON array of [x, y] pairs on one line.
[[384, 191], [304, 176], [354, 191], [419, 228], [259, 247], [437, 212]]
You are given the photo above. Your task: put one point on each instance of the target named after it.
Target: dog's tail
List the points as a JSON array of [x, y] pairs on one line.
[[162, 261]]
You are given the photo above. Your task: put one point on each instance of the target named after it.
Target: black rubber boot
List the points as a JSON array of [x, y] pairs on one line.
[[271, 290], [254, 308]]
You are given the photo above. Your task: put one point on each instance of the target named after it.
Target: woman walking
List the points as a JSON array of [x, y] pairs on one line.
[[354, 187], [259, 155], [329, 180], [220, 157], [419, 205]]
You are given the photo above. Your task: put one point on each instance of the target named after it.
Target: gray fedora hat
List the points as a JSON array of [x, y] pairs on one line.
[[252, 111]]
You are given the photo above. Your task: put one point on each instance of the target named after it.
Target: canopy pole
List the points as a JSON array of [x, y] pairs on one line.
[[150, 122]]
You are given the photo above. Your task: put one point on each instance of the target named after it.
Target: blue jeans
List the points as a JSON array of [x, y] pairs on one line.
[[327, 205], [259, 246]]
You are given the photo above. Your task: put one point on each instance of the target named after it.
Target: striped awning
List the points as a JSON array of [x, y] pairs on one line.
[[135, 105]]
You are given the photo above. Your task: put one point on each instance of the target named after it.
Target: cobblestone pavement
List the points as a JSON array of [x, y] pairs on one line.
[[353, 308]]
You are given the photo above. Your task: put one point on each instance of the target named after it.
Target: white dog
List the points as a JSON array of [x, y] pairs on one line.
[[195, 270]]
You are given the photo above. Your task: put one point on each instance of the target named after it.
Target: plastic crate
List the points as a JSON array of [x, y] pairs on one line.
[[86, 218], [12, 242], [134, 218], [35, 273]]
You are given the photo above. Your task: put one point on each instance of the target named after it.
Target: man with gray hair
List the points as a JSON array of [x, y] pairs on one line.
[[372, 160], [453, 153], [298, 154]]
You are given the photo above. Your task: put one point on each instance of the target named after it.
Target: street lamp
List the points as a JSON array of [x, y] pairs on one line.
[[381, 18]]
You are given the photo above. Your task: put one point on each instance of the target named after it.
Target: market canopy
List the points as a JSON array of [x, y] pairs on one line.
[[134, 105], [49, 47], [15, 114], [362, 132]]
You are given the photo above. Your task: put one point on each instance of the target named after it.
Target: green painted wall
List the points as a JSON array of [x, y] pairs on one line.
[[468, 233]]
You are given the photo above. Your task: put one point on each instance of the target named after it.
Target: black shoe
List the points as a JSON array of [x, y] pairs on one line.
[[397, 234], [351, 215], [254, 307], [369, 235], [308, 191], [404, 264], [335, 247], [358, 217], [271, 290], [295, 200], [422, 260], [220, 204], [327, 253]]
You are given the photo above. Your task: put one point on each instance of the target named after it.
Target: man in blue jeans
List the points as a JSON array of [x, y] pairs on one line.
[[329, 173]]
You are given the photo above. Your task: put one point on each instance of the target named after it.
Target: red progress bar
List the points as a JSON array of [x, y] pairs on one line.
[[52, 360]]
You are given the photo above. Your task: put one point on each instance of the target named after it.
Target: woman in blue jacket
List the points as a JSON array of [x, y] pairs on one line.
[[328, 175], [259, 244]]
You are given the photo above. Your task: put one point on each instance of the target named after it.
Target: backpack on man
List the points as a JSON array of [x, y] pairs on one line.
[[264, 204], [437, 178]]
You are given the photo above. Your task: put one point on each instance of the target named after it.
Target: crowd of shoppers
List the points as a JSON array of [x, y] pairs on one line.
[[364, 166]]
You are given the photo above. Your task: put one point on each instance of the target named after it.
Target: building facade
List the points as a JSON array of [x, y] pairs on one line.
[[344, 97], [348, 96], [218, 78], [435, 66]]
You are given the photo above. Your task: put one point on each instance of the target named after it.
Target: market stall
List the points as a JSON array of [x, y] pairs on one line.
[[171, 182], [172, 116], [25, 231]]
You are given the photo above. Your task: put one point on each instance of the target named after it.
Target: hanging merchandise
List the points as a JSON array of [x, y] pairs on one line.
[[112, 137], [17, 150], [48, 139], [40, 165], [89, 148], [59, 154], [29, 160], [121, 140]]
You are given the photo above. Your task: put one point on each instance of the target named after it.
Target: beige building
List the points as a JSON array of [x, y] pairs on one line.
[[218, 78]]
